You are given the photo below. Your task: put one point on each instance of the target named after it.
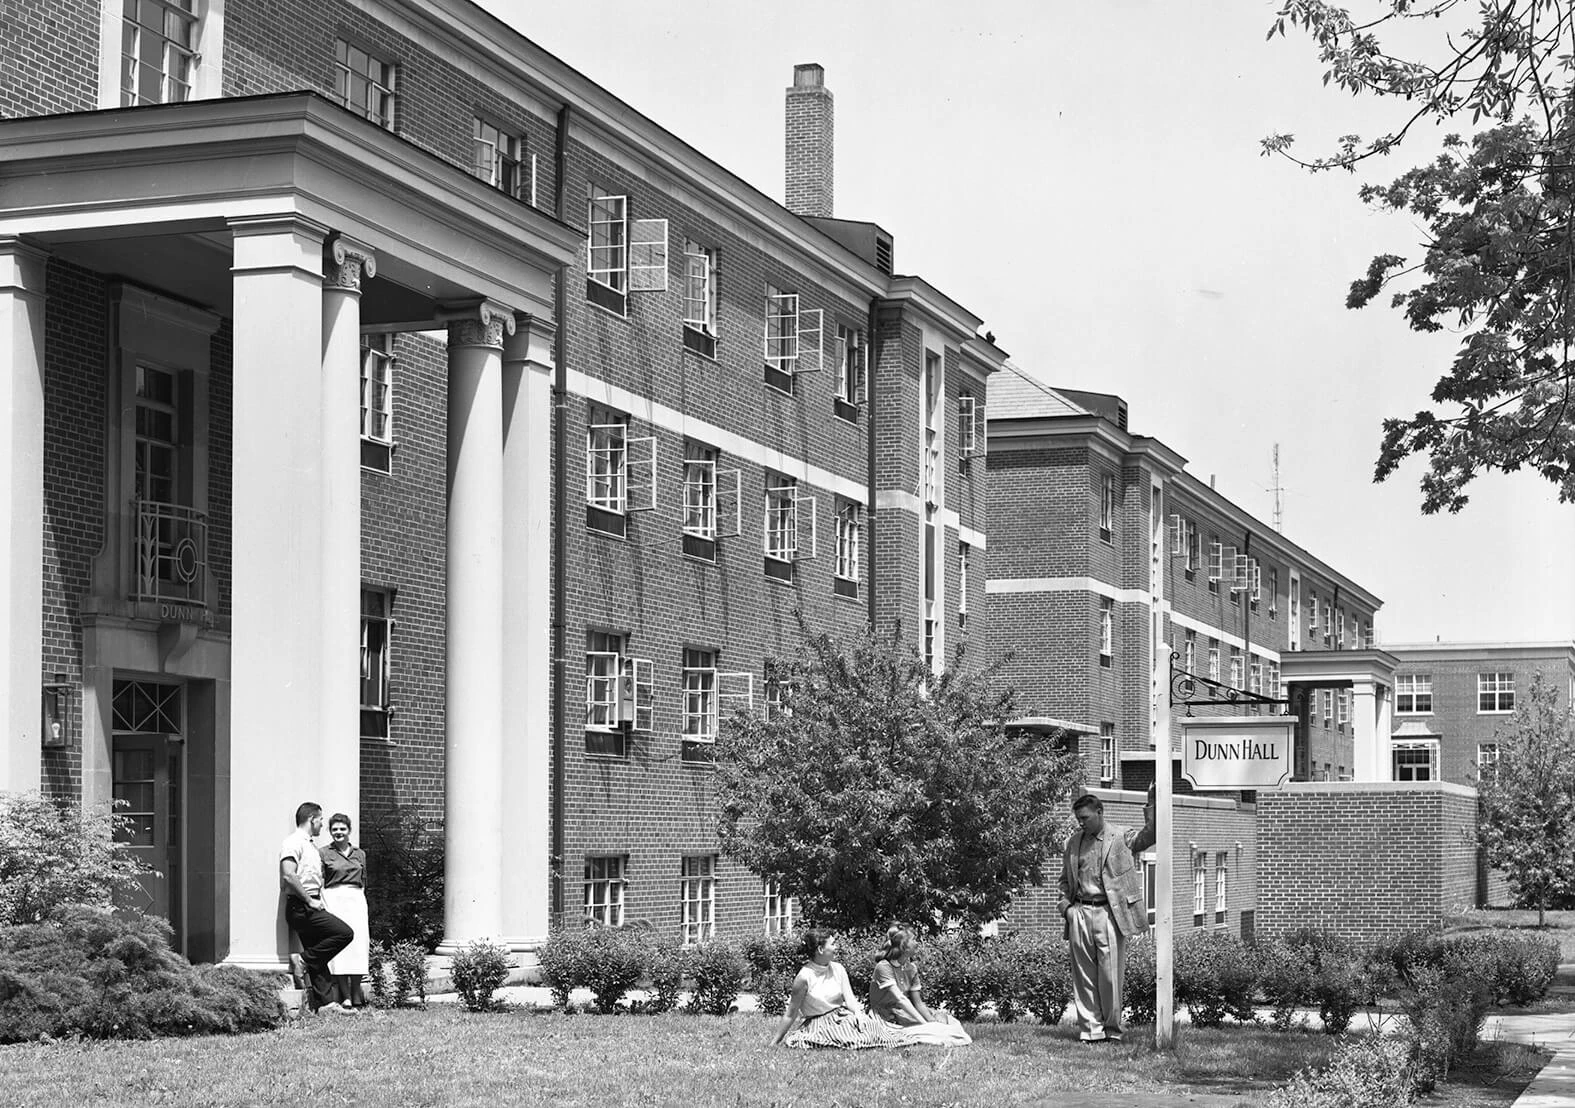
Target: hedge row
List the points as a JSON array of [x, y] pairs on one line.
[[1217, 976]]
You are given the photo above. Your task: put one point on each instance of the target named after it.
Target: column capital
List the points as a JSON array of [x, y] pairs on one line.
[[532, 342], [22, 266], [477, 323], [348, 260], [277, 243]]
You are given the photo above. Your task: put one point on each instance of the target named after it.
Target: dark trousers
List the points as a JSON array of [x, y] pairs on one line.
[[322, 936]]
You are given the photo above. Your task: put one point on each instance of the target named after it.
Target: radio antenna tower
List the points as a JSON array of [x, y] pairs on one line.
[[1279, 506]]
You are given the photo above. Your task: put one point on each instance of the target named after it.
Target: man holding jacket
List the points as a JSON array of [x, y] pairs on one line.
[[1102, 904]]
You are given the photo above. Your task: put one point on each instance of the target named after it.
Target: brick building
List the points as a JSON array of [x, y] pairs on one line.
[[1452, 699], [620, 415], [1112, 569]]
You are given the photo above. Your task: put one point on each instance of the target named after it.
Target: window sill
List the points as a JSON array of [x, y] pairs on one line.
[[779, 380], [604, 522]]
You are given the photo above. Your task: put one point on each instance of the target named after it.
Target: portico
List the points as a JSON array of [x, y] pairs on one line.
[[1369, 674], [294, 225]]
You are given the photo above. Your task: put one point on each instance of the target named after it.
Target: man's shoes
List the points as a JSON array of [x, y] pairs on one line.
[[298, 971], [335, 1010]]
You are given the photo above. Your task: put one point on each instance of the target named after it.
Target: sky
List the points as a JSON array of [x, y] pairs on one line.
[[1087, 178]]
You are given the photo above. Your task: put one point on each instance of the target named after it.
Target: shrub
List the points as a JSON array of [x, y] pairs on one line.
[[1002, 969], [1047, 980], [52, 856], [719, 971], [1365, 1072], [1216, 976], [667, 964], [615, 959], [86, 972], [858, 951], [773, 962], [1340, 987], [1140, 989], [1518, 968], [1285, 978], [404, 889], [1445, 1006], [562, 959], [408, 960], [479, 970], [957, 975]]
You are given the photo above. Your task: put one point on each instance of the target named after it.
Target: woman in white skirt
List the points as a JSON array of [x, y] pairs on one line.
[[344, 894]]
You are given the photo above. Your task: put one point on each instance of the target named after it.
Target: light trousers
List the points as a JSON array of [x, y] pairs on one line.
[[1098, 955]]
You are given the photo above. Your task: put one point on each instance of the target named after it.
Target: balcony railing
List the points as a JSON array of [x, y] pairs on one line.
[[170, 553]]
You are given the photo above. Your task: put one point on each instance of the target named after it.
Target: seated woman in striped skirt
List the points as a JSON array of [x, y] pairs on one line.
[[823, 1012], [897, 998]]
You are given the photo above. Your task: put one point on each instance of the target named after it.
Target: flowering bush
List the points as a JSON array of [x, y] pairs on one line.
[[51, 856]]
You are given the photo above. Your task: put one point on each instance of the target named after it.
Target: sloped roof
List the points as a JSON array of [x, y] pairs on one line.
[[1013, 394]]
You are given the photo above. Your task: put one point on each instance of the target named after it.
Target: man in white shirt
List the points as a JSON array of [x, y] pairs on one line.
[[322, 933]]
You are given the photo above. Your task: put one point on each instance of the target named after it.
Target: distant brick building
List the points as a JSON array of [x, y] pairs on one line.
[[1453, 699]]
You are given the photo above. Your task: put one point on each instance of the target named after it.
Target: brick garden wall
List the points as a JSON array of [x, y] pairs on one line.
[[1366, 859]]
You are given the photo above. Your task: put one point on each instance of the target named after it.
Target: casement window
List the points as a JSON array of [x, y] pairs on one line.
[[929, 635], [964, 567], [1327, 699], [1216, 565], [699, 695], [1107, 753], [1342, 708], [1312, 614], [700, 298], [1214, 660], [1274, 680], [790, 531], [850, 372], [1235, 668], [1495, 692], [1414, 693], [1274, 593], [778, 909], [158, 51], [1255, 676], [1107, 507], [697, 897], [779, 686], [365, 84], [712, 508], [793, 338], [967, 426], [1189, 652], [1200, 887], [1220, 866], [1192, 555], [1339, 624], [377, 402], [620, 471], [1107, 630], [1416, 760], [1487, 762], [620, 693], [850, 540], [377, 636], [497, 157], [605, 879], [624, 254]]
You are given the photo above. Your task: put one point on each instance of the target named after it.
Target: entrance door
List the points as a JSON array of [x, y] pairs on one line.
[[147, 788]]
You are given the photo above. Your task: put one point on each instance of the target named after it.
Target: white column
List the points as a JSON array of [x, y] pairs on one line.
[[473, 732], [276, 651], [527, 619], [341, 524], [1370, 743], [22, 510]]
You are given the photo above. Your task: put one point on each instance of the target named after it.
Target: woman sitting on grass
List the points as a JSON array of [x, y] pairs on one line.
[[823, 1012], [896, 997]]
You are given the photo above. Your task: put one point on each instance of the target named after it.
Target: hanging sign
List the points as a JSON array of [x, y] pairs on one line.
[[1249, 752]]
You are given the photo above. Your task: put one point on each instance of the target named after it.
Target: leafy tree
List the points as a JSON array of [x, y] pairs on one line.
[[881, 792], [1498, 260], [52, 855], [1526, 810], [404, 886]]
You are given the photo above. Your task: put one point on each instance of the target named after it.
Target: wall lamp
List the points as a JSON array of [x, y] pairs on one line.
[[57, 713]]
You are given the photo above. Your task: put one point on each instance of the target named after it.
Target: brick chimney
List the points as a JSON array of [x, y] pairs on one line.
[[809, 142]]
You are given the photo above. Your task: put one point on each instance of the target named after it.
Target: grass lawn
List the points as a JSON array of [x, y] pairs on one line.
[[446, 1056], [1560, 925]]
